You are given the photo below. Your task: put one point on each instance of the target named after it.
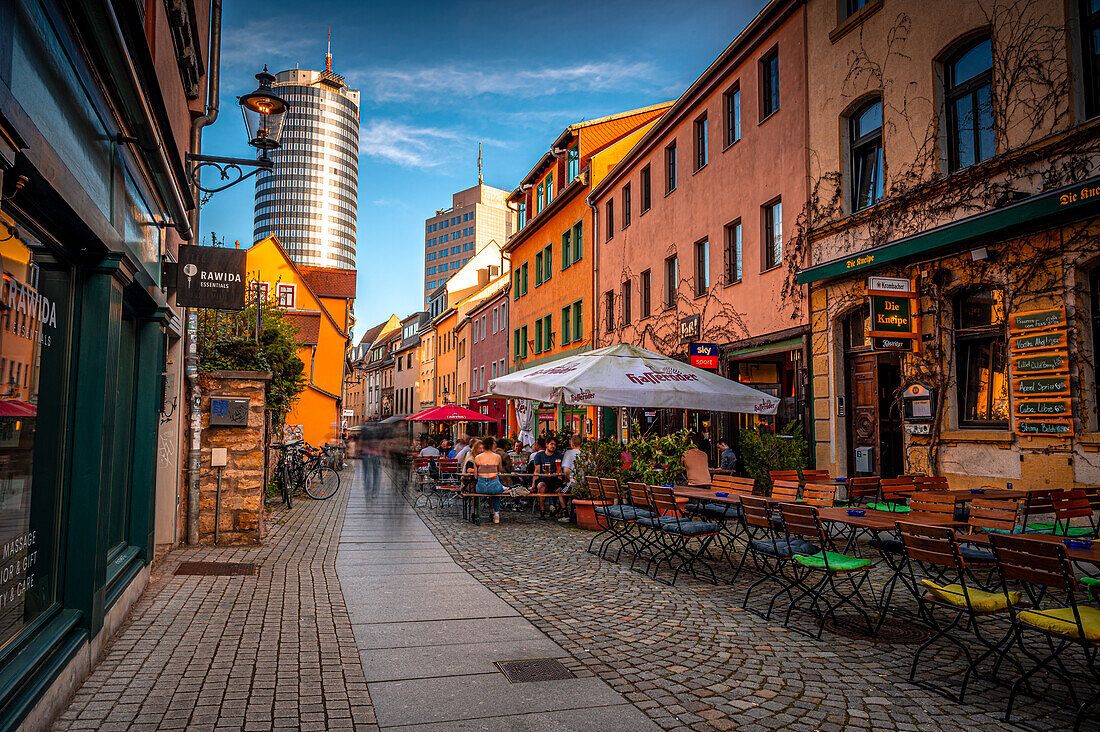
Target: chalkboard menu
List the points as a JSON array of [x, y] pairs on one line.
[[1040, 373]]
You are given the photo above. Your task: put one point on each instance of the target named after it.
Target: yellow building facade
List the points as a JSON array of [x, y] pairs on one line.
[[320, 302]]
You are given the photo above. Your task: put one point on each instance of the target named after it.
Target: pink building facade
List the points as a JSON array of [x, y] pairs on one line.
[[488, 339]]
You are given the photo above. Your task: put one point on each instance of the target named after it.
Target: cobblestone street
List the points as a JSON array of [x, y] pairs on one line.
[[268, 651]]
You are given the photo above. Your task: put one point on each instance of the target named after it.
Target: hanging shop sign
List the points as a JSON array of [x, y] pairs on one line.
[[703, 355], [689, 328], [211, 277], [894, 322], [1040, 370]]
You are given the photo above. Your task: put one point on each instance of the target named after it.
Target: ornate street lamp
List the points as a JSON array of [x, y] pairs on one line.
[[264, 112]]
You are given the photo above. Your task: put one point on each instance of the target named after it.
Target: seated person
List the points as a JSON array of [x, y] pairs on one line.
[[698, 465], [569, 460], [727, 458], [486, 464], [545, 462], [430, 451]]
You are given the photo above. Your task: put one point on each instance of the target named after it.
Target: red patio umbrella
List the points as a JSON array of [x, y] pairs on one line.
[[449, 414], [16, 408]]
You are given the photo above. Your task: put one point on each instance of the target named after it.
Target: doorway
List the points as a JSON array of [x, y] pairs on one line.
[[874, 424]]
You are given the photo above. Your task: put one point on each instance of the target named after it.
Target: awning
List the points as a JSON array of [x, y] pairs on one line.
[[16, 408], [1074, 201], [765, 349]]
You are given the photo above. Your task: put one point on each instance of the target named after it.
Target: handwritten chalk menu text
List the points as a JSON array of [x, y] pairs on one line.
[[1040, 370]]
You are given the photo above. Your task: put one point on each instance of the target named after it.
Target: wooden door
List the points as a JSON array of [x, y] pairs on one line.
[[863, 410]]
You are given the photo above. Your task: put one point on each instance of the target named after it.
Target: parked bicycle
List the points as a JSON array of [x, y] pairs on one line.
[[288, 470], [321, 481]]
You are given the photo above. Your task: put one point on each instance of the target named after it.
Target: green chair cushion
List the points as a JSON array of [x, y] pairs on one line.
[[1060, 620], [1049, 527], [1092, 585], [837, 562], [980, 600], [888, 506]]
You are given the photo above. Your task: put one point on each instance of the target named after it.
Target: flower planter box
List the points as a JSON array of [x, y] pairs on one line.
[[586, 513]]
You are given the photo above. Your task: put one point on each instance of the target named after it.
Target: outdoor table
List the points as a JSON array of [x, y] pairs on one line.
[[470, 498], [995, 494]]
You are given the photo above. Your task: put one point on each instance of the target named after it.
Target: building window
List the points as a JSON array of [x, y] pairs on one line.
[[626, 205], [1090, 48], [733, 252], [263, 288], [549, 188], [773, 234], [609, 311], [538, 199], [968, 84], [732, 103], [609, 209], [670, 167], [670, 282], [645, 283], [578, 240], [851, 7], [538, 336], [523, 277], [578, 322], [496, 320], [865, 144], [646, 189], [547, 262], [538, 268], [769, 85], [547, 333], [702, 267], [982, 365], [566, 321], [700, 128], [626, 303], [286, 296], [566, 249], [573, 163], [521, 214]]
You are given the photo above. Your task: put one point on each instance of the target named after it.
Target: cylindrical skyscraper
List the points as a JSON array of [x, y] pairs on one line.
[[309, 200]]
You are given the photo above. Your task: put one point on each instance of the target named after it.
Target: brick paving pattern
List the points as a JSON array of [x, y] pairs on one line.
[[270, 651], [692, 659]]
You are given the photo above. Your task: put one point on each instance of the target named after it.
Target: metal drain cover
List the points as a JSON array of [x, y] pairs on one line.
[[535, 669], [215, 569], [893, 631]]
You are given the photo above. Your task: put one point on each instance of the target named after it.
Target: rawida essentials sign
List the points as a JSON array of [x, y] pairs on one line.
[[211, 277]]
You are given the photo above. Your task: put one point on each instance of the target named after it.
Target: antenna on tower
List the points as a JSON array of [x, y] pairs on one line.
[[328, 53], [479, 178]]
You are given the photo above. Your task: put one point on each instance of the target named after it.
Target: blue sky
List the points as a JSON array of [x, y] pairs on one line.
[[436, 79]]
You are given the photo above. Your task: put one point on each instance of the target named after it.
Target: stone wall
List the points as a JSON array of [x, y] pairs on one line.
[[241, 519]]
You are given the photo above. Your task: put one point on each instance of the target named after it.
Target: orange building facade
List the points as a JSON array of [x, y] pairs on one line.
[[552, 256], [319, 301], [695, 226]]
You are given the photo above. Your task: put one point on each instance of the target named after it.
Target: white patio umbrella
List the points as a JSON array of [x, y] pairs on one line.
[[628, 376]]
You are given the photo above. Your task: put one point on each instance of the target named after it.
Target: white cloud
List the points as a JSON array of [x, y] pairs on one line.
[[404, 84], [414, 146], [275, 41]]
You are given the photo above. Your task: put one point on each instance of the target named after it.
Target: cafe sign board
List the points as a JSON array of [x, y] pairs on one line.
[[689, 328], [1040, 370], [894, 322], [703, 355], [211, 277]]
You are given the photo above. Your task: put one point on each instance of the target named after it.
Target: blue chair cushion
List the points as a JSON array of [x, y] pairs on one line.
[[722, 510], [977, 556], [627, 513], [893, 546], [784, 548], [694, 506], [656, 522], [689, 528]]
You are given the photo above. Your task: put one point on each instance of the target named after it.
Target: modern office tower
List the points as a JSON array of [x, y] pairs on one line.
[[452, 236], [309, 199]]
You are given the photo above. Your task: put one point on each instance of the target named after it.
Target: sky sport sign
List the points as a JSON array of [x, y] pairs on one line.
[[210, 277]]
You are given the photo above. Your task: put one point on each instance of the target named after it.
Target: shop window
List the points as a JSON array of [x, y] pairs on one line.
[[968, 94], [33, 405], [865, 154], [980, 357], [856, 325], [645, 286]]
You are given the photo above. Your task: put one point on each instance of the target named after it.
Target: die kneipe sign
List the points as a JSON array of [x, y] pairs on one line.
[[211, 277]]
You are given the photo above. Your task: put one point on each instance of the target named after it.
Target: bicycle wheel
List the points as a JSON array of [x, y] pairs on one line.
[[284, 482], [322, 482]]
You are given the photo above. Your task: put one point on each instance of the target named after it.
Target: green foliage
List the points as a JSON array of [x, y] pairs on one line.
[[226, 341], [762, 452], [599, 458], [655, 460]]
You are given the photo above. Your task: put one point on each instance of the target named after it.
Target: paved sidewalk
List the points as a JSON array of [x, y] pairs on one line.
[[269, 651], [429, 635]]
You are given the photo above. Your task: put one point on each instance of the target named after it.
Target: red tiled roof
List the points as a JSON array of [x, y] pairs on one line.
[[329, 281], [309, 326]]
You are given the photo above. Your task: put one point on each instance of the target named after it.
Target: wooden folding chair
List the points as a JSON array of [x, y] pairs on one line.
[[942, 585], [1069, 505], [785, 490], [894, 493], [618, 516], [815, 476], [770, 549], [775, 475], [862, 489], [930, 483], [648, 536], [819, 494], [1046, 575], [681, 539]]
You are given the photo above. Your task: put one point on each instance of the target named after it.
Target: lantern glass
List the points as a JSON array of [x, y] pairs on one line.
[[264, 113]]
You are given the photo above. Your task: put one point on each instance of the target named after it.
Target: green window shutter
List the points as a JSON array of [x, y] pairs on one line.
[[566, 250], [578, 240], [547, 332], [538, 336], [515, 286], [515, 344], [578, 325], [538, 269], [523, 273], [523, 345], [548, 262], [565, 325]]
